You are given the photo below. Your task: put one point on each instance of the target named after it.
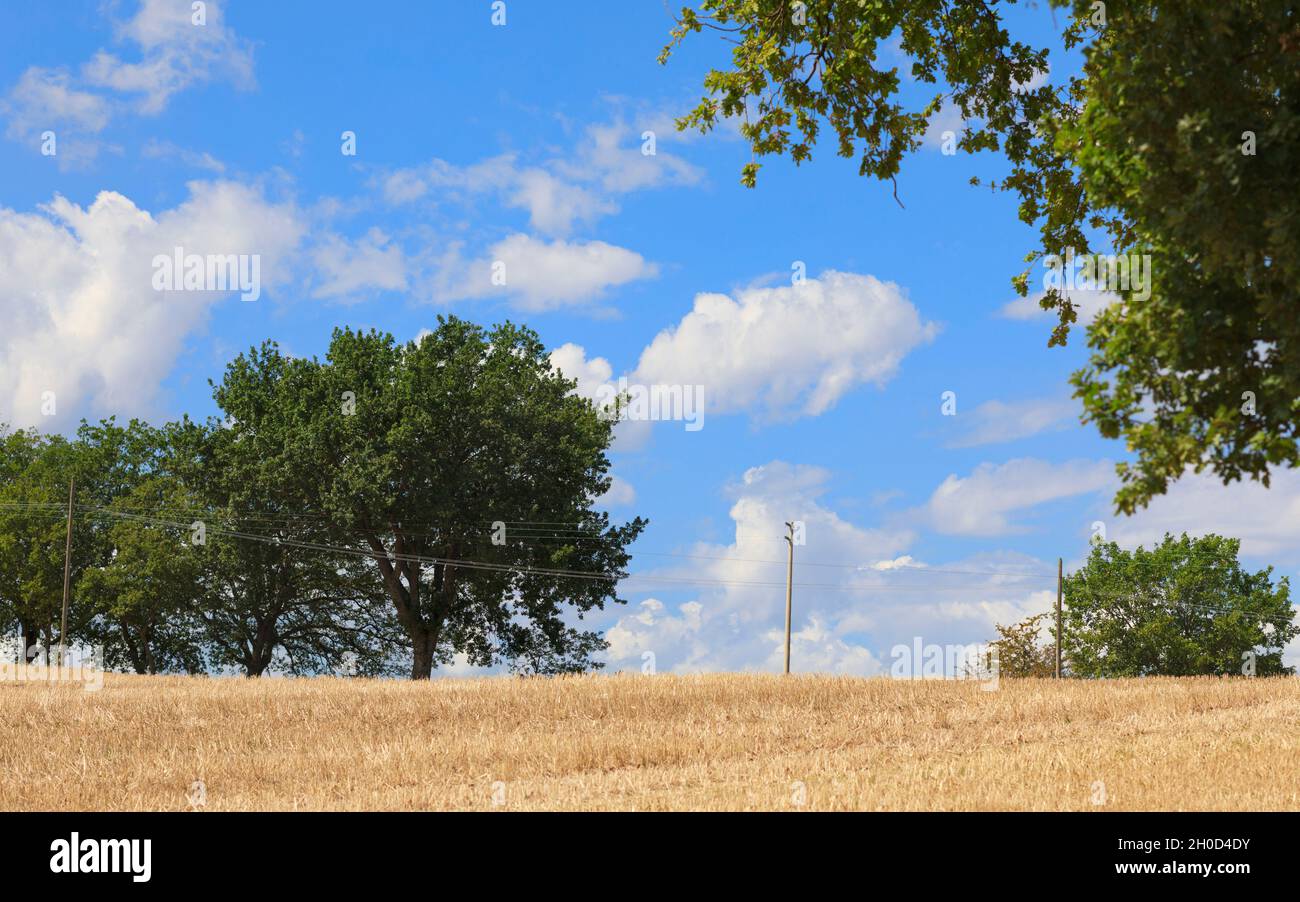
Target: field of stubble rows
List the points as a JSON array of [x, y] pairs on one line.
[[733, 742]]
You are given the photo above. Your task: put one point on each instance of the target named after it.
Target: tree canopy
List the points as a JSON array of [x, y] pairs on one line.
[[1183, 608], [440, 492], [412, 452], [1177, 140]]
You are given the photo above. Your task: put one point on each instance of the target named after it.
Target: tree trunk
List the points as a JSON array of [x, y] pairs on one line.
[[422, 630], [264, 643], [424, 642], [31, 636]]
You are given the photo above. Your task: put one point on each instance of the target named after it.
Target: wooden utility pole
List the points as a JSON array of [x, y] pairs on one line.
[[1060, 588], [67, 570], [789, 592]]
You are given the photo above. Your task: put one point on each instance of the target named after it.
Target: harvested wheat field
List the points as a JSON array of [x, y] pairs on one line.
[[735, 742]]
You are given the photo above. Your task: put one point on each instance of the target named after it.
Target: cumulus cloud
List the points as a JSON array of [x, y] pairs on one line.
[[554, 206], [790, 351], [1267, 520], [538, 275], [571, 360], [947, 119], [982, 504], [593, 375], [773, 353], [855, 597], [561, 195], [82, 318]]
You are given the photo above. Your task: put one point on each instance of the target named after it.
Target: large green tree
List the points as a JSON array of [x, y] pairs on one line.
[[116, 575], [1178, 140], [34, 472], [274, 596], [144, 592], [410, 453], [1183, 608]]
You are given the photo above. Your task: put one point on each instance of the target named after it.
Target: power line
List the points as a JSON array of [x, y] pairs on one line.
[[523, 570], [1020, 574]]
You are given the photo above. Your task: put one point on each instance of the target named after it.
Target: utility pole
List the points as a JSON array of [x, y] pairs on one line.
[[789, 592], [1060, 588], [67, 570]]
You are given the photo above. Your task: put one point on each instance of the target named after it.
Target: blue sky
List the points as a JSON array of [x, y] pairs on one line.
[[523, 143]]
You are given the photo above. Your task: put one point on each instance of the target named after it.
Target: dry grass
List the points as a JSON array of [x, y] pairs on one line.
[[664, 742]]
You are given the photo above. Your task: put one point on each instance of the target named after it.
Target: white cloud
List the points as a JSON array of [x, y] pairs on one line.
[[612, 156], [593, 375], [621, 494], [771, 352], [559, 194], [1267, 520], [982, 503], [81, 316], [846, 618], [174, 54], [352, 269], [403, 186], [788, 351], [947, 119], [540, 275], [167, 150], [553, 205], [571, 360], [46, 98], [994, 422]]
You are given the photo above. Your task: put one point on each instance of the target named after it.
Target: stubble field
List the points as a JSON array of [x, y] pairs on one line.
[[631, 742]]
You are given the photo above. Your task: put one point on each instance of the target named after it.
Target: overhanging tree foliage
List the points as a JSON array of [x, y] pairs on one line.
[[1178, 140]]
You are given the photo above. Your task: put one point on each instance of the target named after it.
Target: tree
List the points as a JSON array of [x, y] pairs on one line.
[[410, 453], [33, 499], [1019, 651], [133, 585], [796, 65], [1191, 136], [145, 593], [1185, 607], [1177, 141], [271, 606], [134, 580], [273, 596]]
